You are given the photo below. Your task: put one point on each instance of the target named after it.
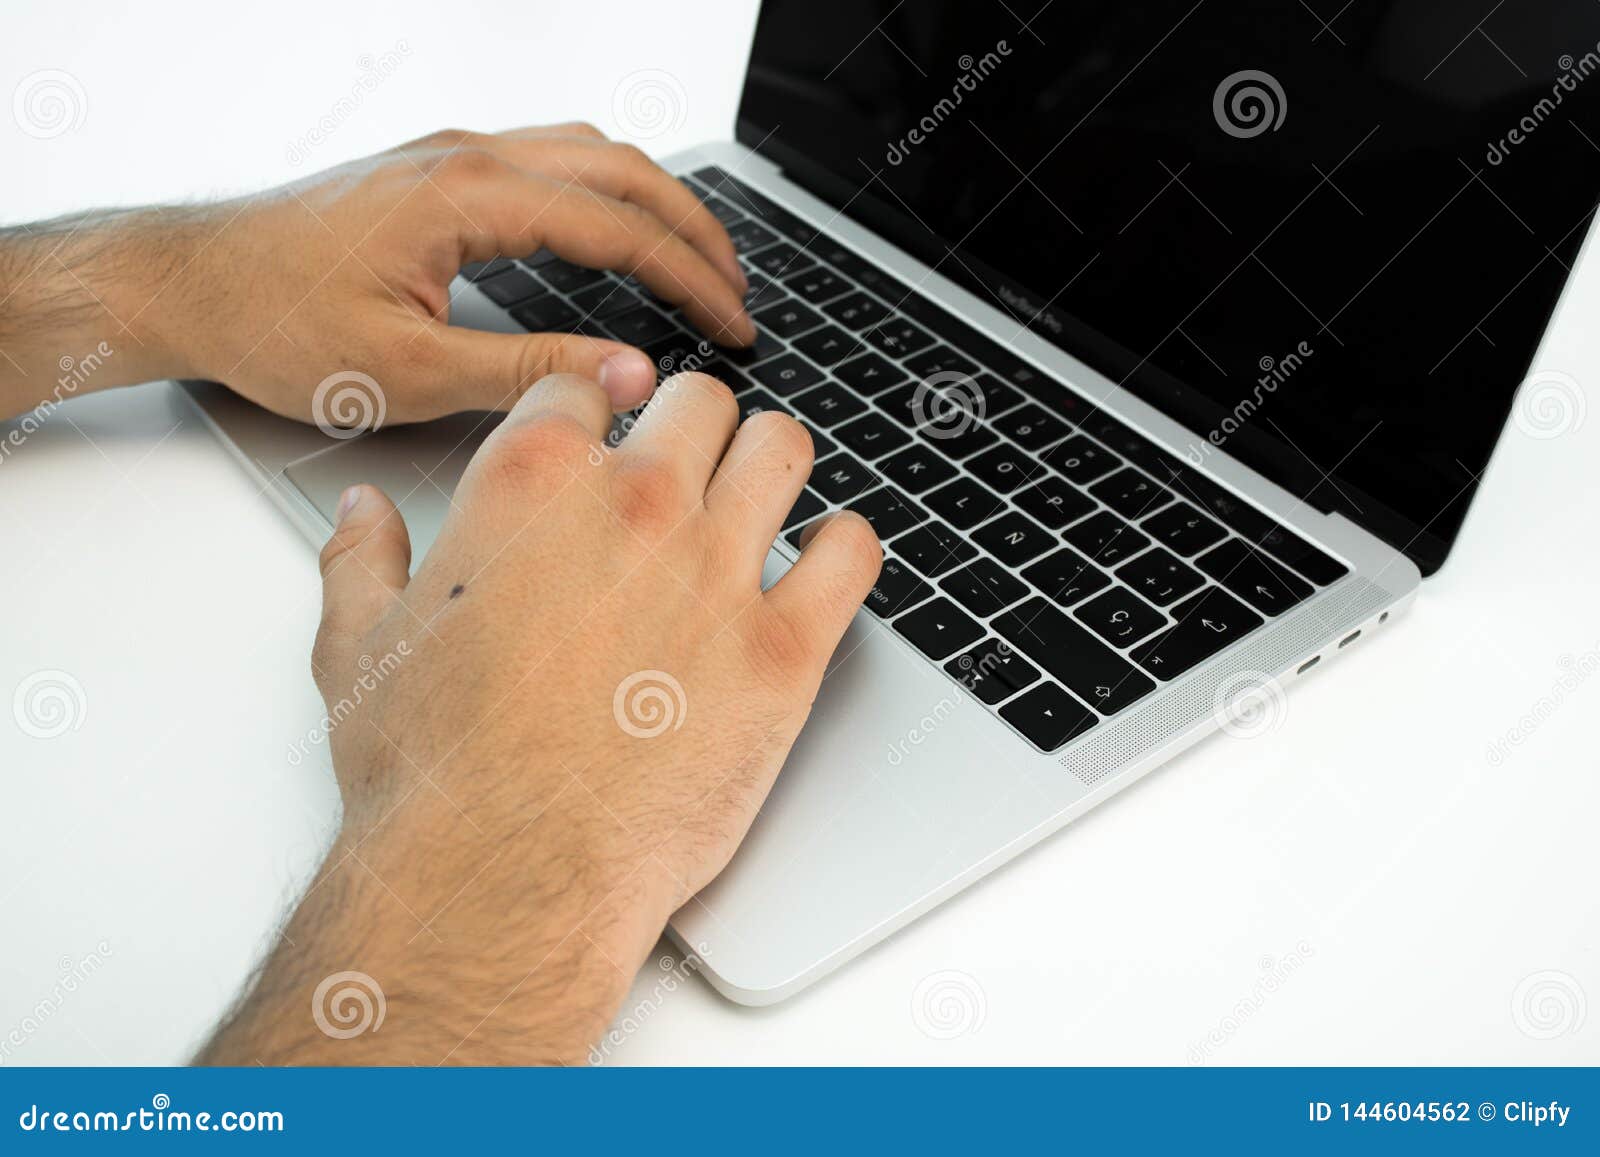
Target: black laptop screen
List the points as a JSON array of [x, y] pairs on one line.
[[1324, 236]]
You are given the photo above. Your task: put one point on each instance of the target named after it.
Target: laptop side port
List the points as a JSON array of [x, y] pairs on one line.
[[1308, 664], [1350, 638]]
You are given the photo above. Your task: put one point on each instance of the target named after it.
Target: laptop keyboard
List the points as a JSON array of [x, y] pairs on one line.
[[1055, 563]]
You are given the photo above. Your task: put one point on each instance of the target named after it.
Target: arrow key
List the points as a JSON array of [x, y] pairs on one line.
[[1048, 716], [939, 628]]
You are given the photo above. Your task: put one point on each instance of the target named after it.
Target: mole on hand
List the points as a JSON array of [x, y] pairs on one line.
[[457, 589]]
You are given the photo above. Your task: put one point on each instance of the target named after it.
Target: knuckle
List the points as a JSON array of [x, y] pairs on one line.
[[524, 454], [705, 390], [442, 139], [340, 543], [465, 164], [646, 495], [583, 129]]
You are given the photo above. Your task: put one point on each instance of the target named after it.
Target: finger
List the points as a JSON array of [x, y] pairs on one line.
[[760, 477], [491, 371], [509, 210], [628, 174], [687, 425], [563, 396], [839, 561], [365, 564]]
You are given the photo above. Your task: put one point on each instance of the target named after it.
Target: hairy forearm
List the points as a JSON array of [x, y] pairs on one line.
[[92, 301], [470, 960]]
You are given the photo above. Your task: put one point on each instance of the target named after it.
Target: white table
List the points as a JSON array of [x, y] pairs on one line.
[[1362, 884]]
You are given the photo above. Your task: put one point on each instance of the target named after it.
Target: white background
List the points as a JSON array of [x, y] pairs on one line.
[[1365, 850]]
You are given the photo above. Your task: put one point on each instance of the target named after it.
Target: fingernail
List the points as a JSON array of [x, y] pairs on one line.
[[347, 502], [627, 377]]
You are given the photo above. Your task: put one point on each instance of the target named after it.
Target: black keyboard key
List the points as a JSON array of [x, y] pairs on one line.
[[566, 277], [547, 314], [817, 285], [1005, 468], [748, 236], [918, 468], [873, 436], [763, 292], [1160, 577], [1182, 528], [941, 359], [840, 477], [765, 348], [1031, 426], [510, 287], [1066, 577], [731, 376], [828, 346], [870, 374], [787, 374], [897, 337], [805, 508], [605, 300], [1120, 618], [957, 443], [829, 404], [1210, 621], [857, 311], [640, 326], [788, 318], [758, 402], [1130, 493], [984, 587], [1014, 539], [1106, 538], [724, 212], [934, 549], [1048, 717], [1301, 555], [992, 671], [907, 404], [478, 270], [1254, 577], [897, 589], [998, 398], [939, 628], [1053, 501], [1136, 448], [860, 271], [1069, 652], [1080, 460], [964, 503], [779, 260], [821, 444], [890, 512]]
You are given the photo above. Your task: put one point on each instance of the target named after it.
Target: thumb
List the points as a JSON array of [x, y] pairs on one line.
[[365, 565], [503, 366]]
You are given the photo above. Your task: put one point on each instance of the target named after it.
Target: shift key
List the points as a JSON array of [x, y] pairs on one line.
[[1089, 668]]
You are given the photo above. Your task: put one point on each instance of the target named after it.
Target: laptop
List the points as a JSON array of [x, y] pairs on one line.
[[1164, 345]]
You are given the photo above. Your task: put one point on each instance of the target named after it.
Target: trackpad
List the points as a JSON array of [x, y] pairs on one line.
[[417, 466]]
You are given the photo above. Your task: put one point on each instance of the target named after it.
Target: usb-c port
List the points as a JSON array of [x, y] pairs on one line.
[[1308, 664], [1350, 638]]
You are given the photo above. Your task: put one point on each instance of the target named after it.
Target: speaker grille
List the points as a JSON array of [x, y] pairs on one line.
[[1283, 645]]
